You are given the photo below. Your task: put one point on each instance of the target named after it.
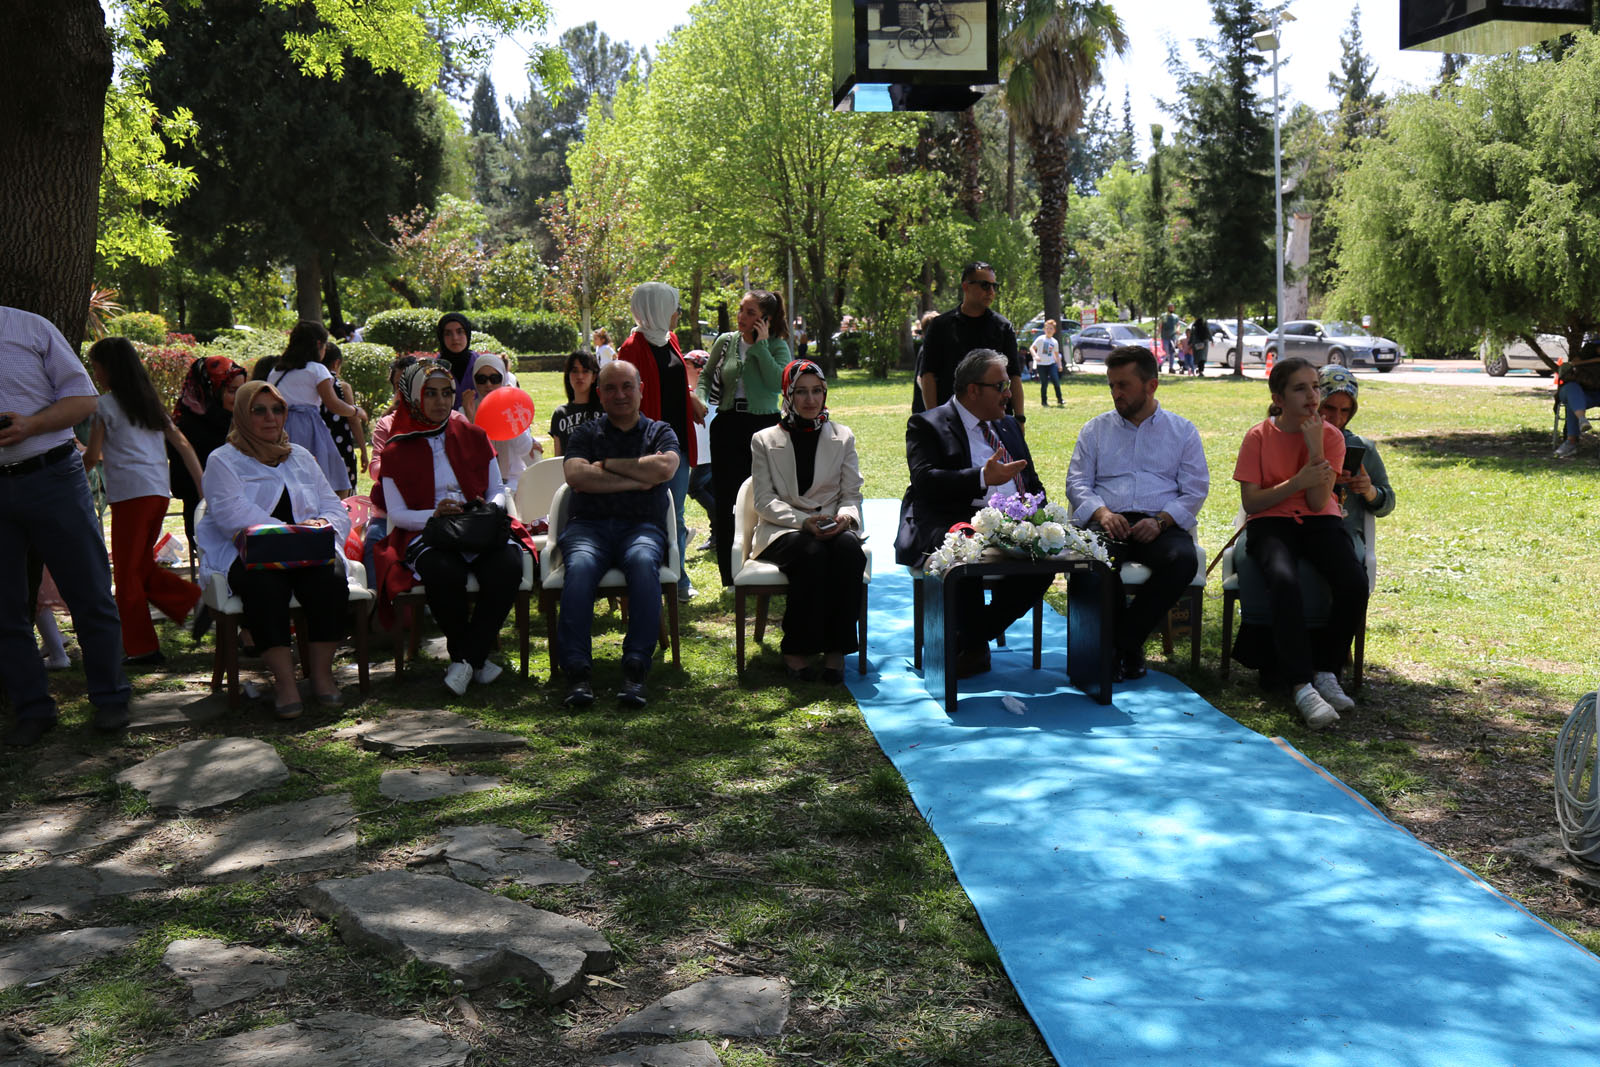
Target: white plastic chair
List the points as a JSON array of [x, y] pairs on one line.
[[764, 580], [536, 489], [553, 576]]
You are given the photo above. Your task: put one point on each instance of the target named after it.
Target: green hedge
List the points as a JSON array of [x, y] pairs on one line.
[[405, 329], [366, 368], [527, 331], [144, 327], [244, 347]]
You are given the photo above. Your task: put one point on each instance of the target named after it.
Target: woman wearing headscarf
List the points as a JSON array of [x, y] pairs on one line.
[[435, 461], [258, 477], [744, 373], [489, 372], [665, 394], [807, 489], [454, 334], [204, 415], [1367, 489]]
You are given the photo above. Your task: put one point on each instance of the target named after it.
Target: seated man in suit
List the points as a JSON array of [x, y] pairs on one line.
[[618, 469], [959, 452], [1139, 475]]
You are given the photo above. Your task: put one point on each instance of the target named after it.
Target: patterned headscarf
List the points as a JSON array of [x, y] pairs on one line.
[[202, 389], [261, 449], [1336, 379], [792, 421], [653, 304], [408, 415]]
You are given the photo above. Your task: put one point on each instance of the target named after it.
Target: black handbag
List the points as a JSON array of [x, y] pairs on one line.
[[477, 527]]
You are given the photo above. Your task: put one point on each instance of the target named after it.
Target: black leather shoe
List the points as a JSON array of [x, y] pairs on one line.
[[1130, 670], [149, 659], [27, 732], [200, 623], [633, 693], [111, 719], [579, 695], [832, 676], [973, 661]]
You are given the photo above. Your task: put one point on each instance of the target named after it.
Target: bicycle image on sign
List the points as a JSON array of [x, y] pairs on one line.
[[926, 35]]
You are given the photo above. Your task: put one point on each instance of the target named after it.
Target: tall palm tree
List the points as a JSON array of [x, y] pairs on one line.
[[1051, 56]]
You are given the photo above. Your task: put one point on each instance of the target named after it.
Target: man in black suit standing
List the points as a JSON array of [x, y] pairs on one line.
[[959, 452]]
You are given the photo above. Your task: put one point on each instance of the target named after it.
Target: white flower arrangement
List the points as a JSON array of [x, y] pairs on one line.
[[1022, 525]]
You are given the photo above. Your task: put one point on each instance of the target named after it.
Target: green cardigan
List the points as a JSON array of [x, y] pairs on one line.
[[761, 370]]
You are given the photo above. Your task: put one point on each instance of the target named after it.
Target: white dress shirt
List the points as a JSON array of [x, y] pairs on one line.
[[1153, 466]]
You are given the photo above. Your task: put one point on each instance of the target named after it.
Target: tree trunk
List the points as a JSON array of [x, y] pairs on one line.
[[330, 292], [969, 149], [52, 123], [1011, 168], [1050, 166], [696, 284], [1238, 341], [308, 288]]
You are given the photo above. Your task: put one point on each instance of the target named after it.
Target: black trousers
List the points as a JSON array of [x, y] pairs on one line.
[[824, 597], [731, 432], [1172, 561], [469, 635], [323, 596], [978, 623], [1277, 545]]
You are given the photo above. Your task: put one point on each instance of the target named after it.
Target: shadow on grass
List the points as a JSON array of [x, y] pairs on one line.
[[1512, 450]]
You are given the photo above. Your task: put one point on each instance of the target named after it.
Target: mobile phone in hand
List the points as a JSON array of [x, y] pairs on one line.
[[1353, 457], [826, 525]]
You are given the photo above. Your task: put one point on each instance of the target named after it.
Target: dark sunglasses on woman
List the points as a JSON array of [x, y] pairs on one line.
[[487, 379]]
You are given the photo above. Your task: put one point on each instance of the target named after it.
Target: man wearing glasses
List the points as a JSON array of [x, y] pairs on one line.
[[959, 453], [971, 326]]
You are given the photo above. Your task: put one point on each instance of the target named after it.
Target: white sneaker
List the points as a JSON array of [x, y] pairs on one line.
[[1326, 683], [1567, 450], [686, 594], [487, 673], [457, 677], [57, 663], [1313, 708]]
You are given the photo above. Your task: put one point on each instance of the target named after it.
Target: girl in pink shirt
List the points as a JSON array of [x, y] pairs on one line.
[[1286, 471]]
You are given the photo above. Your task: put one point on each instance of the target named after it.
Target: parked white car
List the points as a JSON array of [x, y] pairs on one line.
[[1516, 353], [1225, 352], [1346, 344]]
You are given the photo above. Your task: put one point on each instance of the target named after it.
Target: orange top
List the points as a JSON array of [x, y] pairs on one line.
[[1270, 457]]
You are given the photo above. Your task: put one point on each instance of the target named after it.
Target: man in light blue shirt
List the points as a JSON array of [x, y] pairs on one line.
[[1139, 475]]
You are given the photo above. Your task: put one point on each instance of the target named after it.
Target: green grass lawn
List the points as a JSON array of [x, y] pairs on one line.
[[760, 830]]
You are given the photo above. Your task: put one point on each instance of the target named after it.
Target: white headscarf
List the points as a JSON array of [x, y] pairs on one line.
[[653, 304], [494, 362]]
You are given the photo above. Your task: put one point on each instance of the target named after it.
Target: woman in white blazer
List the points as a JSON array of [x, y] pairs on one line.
[[807, 487]]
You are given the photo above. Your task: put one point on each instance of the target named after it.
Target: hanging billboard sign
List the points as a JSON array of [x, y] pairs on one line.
[[926, 55], [1485, 27]]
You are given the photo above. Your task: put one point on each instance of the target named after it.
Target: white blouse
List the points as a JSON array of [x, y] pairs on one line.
[[241, 491], [445, 484]]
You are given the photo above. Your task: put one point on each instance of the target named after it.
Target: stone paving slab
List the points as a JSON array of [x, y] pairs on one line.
[[477, 937], [62, 831], [303, 835], [60, 887], [407, 732], [683, 1054], [491, 853], [417, 784], [32, 960], [1547, 854], [338, 1039], [207, 774], [160, 711], [730, 1006], [219, 974]]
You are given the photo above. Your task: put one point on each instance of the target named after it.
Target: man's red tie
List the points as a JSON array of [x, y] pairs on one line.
[[992, 439]]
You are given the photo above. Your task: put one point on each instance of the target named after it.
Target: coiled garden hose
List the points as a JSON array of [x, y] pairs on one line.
[[1578, 782]]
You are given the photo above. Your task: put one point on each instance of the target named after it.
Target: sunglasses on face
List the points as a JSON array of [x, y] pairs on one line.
[[999, 387], [260, 411], [487, 379], [993, 287]]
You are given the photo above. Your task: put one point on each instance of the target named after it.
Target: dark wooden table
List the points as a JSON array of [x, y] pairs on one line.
[[1091, 653]]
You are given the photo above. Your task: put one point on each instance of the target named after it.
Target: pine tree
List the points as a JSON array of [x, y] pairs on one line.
[[486, 109], [1126, 142], [1155, 265], [1358, 104], [1225, 259]]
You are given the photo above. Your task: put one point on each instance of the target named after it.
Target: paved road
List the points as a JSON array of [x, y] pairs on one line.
[[1420, 372]]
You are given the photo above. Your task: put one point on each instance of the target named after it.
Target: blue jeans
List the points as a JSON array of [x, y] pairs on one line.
[[591, 547], [680, 495], [1048, 375], [377, 530], [1578, 400], [50, 511]]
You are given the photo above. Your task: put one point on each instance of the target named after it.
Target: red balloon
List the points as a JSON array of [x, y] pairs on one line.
[[505, 413]]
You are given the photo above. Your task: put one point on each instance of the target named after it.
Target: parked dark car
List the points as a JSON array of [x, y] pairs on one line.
[[1344, 343], [1096, 342], [1065, 329]]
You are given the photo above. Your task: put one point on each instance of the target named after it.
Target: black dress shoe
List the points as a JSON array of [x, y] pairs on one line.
[[633, 693], [27, 732], [149, 659], [832, 676], [973, 661], [800, 674], [1130, 670], [111, 719], [201, 622], [580, 694]]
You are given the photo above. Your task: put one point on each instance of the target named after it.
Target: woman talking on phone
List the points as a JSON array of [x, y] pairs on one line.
[[807, 487], [741, 381], [1287, 468]]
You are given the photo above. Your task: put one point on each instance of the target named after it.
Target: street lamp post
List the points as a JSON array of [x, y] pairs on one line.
[[1267, 41]]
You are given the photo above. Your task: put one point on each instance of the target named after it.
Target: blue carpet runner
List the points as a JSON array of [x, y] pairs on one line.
[[1165, 886]]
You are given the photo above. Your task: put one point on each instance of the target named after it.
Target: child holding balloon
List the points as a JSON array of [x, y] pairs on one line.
[[515, 448]]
